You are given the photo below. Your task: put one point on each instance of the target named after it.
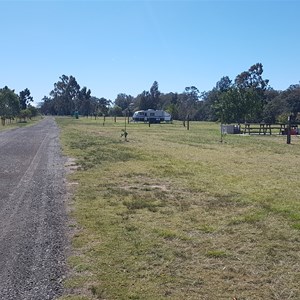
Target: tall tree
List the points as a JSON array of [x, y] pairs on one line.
[[154, 95], [275, 107], [215, 101], [251, 87], [83, 102], [25, 98], [144, 101], [124, 101], [148, 100], [242, 101], [252, 78], [115, 111], [230, 107], [9, 104], [292, 96], [47, 106], [100, 106], [168, 102], [188, 103], [65, 94], [224, 84]]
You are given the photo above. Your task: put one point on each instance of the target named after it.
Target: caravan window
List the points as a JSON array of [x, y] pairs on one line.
[[141, 113]]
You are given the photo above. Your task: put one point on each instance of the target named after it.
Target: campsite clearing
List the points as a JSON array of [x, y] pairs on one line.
[[175, 214]]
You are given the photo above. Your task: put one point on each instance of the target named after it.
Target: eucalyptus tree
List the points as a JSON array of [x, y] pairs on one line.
[[275, 108], [242, 100], [148, 99], [25, 98], [154, 95], [83, 102], [9, 104], [274, 105], [169, 102], [115, 111], [47, 106], [224, 84], [222, 99], [65, 95], [292, 97], [124, 101], [144, 101], [188, 103], [251, 89], [100, 106]]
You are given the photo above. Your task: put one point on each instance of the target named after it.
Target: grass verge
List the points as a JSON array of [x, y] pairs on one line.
[[176, 214], [16, 124]]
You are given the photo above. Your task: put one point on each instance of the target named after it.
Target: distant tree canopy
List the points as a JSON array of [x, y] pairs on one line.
[[243, 100], [9, 103], [16, 106], [247, 98], [123, 101], [67, 97]]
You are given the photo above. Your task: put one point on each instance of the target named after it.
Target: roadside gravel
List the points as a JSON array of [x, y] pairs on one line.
[[32, 213]]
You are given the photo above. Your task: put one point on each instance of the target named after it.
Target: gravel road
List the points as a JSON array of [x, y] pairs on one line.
[[32, 213]]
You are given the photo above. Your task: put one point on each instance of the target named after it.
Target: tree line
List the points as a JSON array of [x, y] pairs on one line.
[[247, 98], [14, 105], [68, 97]]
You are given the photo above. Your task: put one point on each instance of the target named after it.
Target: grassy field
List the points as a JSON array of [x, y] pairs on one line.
[[175, 214]]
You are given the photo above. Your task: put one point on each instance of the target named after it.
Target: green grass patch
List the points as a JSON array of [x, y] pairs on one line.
[[176, 214], [252, 218], [216, 253]]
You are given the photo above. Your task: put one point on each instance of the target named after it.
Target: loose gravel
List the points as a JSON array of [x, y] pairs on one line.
[[32, 213]]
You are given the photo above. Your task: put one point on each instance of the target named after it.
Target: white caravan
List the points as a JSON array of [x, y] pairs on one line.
[[151, 116]]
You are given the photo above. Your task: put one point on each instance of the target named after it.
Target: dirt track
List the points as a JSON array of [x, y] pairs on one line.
[[32, 213]]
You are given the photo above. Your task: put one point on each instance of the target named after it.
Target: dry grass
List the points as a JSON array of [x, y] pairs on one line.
[[176, 214], [10, 124]]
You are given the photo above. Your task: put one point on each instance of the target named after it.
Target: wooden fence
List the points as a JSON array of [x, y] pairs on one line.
[[264, 128]]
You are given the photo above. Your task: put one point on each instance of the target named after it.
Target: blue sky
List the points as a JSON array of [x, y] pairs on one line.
[[116, 47]]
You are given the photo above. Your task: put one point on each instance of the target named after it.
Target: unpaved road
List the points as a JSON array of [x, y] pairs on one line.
[[32, 213]]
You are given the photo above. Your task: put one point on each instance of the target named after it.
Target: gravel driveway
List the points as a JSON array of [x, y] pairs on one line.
[[32, 213]]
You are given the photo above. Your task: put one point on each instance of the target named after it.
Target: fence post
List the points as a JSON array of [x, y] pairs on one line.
[[288, 136]]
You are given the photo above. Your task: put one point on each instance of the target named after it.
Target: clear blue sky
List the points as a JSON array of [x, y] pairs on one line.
[[116, 47]]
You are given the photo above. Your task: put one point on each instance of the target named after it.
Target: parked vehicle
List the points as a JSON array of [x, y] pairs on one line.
[[151, 116]]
